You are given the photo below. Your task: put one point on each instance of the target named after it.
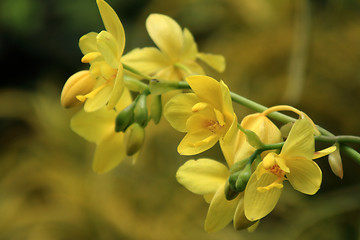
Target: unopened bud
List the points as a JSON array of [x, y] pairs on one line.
[[230, 193], [140, 111], [238, 180], [336, 163], [124, 118], [156, 109], [134, 138], [79, 83], [242, 180]]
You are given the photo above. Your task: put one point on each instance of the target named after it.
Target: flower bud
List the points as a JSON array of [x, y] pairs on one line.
[[79, 83], [156, 109], [134, 138], [230, 193], [140, 111], [336, 163], [243, 179], [124, 118], [239, 179]]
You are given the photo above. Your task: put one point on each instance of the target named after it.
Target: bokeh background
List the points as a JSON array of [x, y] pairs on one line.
[[305, 53]]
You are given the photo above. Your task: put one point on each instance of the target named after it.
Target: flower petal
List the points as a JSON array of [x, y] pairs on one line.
[[324, 152], [194, 68], [305, 176], [229, 142], [221, 211], [227, 106], [112, 24], [240, 221], [207, 89], [197, 142], [203, 176], [166, 34], [300, 142], [147, 60], [259, 204], [217, 62], [178, 109], [107, 45], [87, 43], [118, 88], [109, 152], [266, 130], [125, 100], [189, 50], [98, 101], [93, 126]]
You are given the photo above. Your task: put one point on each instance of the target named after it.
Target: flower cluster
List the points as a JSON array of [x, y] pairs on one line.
[[120, 93]]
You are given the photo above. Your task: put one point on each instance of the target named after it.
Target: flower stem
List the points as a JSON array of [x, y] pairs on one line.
[[136, 72], [339, 139]]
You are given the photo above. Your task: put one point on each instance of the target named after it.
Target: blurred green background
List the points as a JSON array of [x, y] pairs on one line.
[[301, 52]]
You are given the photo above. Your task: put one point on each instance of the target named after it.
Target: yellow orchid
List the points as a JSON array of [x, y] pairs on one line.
[[103, 51], [99, 127], [208, 177], [178, 52], [206, 115], [294, 163]]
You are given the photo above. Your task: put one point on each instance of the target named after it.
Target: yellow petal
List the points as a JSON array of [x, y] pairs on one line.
[[259, 204], [87, 43], [118, 88], [189, 50], [324, 152], [108, 48], [240, 221], [125, 100], [266, 130], [193, 69], [197, 142], [147, 60], [207, 89], [227, 106], [217, 62], [93, 126], [112, 24], [203, 176], [178, 109], [109, 152], [91, 56], [169, 73], [208, 197], [300, 142], [166, 34], [229, 142], [305, 175], [99, 100], [221, 211]]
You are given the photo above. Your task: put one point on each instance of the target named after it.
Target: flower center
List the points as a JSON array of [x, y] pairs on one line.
[[212, 125], [276, 170]]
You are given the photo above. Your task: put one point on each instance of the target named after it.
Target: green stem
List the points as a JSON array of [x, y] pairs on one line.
[[240, 165], [350, 152], [339, 139], [136, 72]]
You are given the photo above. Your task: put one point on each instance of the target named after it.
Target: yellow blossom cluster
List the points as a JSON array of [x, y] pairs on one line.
[[119, 94]]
